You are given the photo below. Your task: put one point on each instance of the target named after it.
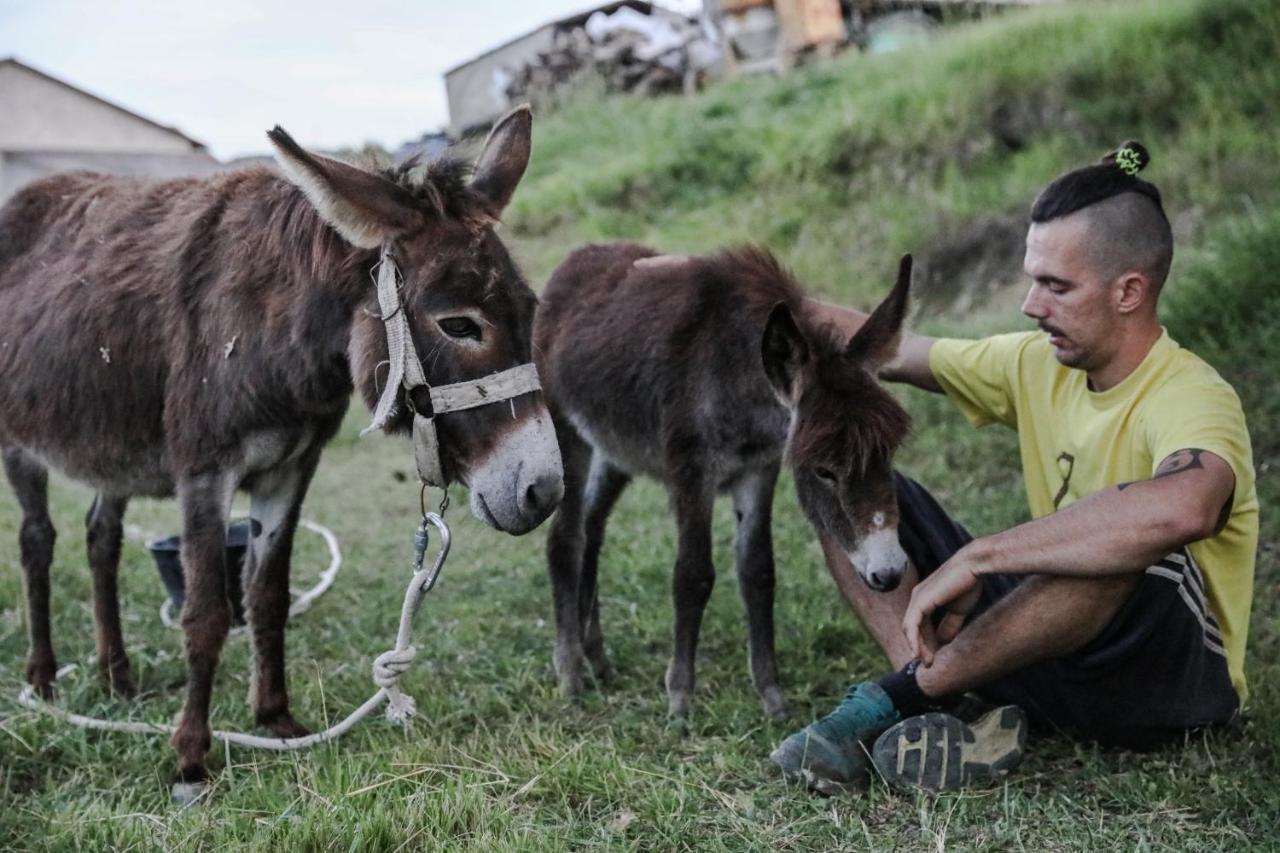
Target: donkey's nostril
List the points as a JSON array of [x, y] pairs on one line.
[[877, 580], [544, 494]]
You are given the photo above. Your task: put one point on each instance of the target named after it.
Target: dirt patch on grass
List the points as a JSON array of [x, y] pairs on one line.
[[963, 269]]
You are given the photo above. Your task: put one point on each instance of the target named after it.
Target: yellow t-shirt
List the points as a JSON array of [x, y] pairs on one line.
[[1074, 442]]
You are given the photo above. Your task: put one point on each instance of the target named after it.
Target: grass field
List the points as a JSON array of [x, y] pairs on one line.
[[839, 168]]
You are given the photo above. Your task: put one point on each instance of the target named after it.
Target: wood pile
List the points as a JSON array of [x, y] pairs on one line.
[[629, 51]]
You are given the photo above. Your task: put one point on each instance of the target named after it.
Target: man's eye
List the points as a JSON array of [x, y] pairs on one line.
[[460, 327]]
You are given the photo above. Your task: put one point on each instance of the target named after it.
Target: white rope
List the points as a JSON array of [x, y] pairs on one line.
[[388, 668], [303, 600]]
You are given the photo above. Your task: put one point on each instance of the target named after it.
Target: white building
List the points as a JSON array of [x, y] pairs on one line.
[[49, 126]]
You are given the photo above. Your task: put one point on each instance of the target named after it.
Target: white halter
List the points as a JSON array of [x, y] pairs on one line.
[[406, 372]]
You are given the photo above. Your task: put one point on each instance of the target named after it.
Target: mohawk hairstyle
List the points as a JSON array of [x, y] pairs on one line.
[[1116, 173]]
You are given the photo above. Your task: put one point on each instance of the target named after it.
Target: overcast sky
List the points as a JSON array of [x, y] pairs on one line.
[[334, 74]]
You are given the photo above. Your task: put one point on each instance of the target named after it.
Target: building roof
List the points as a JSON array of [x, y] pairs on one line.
[[196, 144]]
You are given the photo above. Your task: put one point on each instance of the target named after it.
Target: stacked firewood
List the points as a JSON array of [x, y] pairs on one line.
[[628, 51]]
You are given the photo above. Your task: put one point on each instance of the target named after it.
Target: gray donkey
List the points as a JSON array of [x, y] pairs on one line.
[[700, 371]]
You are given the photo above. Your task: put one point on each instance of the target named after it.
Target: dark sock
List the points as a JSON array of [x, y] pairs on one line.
[[905, 693]]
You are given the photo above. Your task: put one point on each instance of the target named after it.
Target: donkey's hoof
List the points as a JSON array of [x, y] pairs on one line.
[[282, 724], [569, 674], [120, 682], [775, 704], [190, 785], [571, 687], [679, 705], [602, 670], [186, 794], [41, 675]]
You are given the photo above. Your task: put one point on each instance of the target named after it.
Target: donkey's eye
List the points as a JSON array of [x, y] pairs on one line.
[[460, 327], [826, 475]]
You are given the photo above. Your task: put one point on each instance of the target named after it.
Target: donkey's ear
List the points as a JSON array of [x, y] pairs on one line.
[[785, 353], [366, 209], [876, 343], [504, 157]]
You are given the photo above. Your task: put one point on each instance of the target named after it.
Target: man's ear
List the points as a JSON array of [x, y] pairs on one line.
[[503, 159], [785, 353], [876, 343], [366, 209], [1130, 292]]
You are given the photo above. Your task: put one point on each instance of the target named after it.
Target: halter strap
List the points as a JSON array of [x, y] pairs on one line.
[[406, 373]]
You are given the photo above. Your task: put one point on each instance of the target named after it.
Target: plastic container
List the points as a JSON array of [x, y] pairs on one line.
[[166, 554]]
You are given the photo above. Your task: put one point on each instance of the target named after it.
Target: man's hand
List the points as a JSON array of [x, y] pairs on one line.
[[954, 589]]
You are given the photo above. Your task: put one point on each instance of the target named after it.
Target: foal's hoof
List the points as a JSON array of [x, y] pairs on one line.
[[679, 705], [569, 676], [602, 670], [190, 793], [775, 704]]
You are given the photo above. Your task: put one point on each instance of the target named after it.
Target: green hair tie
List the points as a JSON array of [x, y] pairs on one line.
[[1129, 161]]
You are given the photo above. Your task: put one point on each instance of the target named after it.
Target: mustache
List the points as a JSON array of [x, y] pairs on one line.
[[1053, 330]]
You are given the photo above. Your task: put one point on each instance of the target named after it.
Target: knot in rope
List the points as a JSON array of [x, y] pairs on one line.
[[388, 668]]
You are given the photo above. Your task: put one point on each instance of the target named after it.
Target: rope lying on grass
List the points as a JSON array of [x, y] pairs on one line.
[[388, 667]]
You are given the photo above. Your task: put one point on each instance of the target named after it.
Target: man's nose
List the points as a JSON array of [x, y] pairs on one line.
[[1032, 305]]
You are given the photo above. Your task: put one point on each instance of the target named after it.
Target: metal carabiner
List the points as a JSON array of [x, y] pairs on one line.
[[421, 540]]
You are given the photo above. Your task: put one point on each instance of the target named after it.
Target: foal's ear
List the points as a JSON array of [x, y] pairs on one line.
[[366, 209], [877, 341], [504, 157], [785, 353]]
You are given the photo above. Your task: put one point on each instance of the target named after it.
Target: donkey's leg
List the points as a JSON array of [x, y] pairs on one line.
[[206, 617], [30, 481], [692, 496], [275, 500], [605, 483], [564, 560], [753, 551], [104, 530]]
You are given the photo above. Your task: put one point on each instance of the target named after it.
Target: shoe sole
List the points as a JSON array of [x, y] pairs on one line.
[[938, 752]]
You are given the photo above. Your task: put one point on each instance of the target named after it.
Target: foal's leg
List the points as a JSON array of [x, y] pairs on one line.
[[753, 551], [275, 499], [206, 617], [564, 560], [605, 483], [692, 496], [104, 529], [30, 481]]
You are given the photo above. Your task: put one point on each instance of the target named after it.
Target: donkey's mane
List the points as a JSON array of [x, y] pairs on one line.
[[757, 271], [442, 184]]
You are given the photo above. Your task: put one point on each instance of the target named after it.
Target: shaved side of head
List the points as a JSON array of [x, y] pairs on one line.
[[1129, 233]]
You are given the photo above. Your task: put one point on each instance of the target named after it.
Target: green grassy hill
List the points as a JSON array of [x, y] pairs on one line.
[[838, 168], [937, 150]]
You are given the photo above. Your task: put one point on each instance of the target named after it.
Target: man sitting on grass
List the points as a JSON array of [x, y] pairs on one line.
[[1118, 614]]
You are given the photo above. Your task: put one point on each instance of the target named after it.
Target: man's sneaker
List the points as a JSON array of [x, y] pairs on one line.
[[828, 755], [939, 752]]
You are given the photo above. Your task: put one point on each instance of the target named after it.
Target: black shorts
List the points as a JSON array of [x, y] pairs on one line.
[[1157, 671]]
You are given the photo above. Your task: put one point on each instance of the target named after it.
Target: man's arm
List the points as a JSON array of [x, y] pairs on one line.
[[1121, 529], [910, 365]]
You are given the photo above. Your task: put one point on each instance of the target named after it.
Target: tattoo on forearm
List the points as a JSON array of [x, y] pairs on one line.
[[1186, 459]]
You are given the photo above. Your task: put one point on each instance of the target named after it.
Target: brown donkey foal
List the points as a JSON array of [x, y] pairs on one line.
[[700, 371], [195, 337]]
